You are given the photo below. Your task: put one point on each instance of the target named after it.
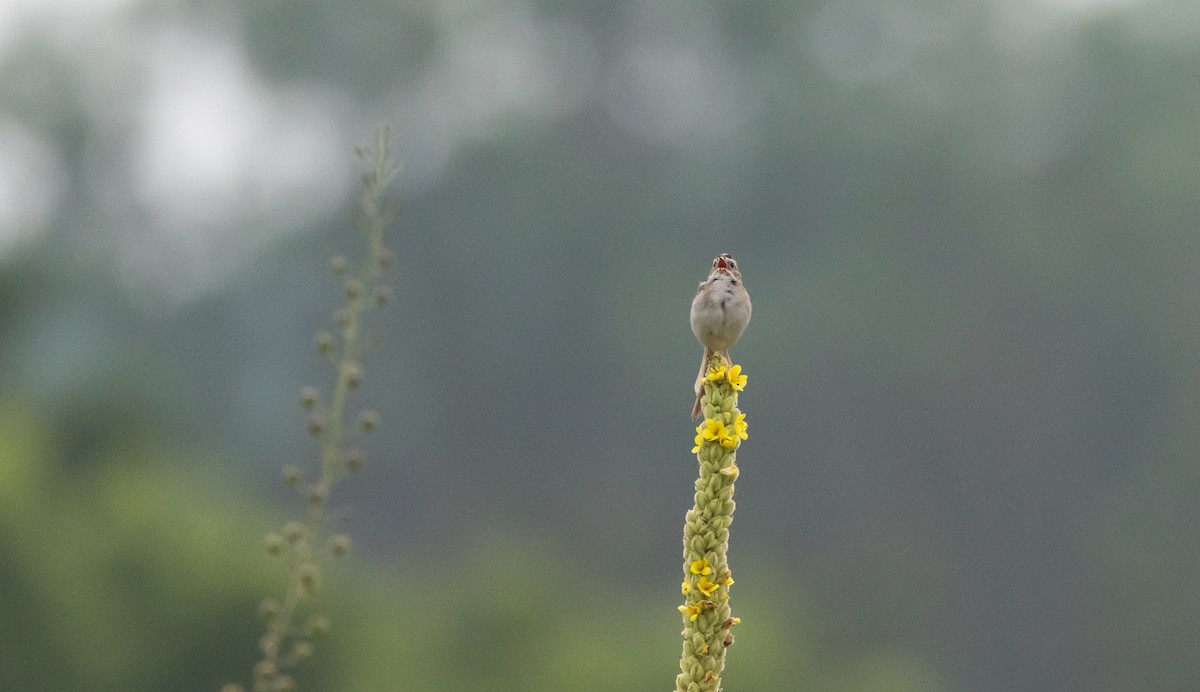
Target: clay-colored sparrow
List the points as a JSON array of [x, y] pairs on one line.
[[720, 313]]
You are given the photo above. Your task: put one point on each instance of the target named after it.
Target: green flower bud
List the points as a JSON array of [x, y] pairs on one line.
[[308, 580], [264, 671], [352, 374], [294, 532], [269, 645], [269, 609], [302, 652], [309, 396], [273, 543], [353, 459], [317, 625]]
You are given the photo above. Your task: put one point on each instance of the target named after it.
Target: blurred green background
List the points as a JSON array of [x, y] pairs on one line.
[[969, 230]]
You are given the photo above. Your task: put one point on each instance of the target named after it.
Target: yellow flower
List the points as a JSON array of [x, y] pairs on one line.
[[716, 431], [699, 441], [732, 471], [706, 586], [692, 611], [736, 379], [701, 567], [717, 373], [686, 587], [739, 426]]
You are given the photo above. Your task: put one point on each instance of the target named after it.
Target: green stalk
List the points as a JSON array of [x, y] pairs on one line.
[[707, 619], [303, 547]]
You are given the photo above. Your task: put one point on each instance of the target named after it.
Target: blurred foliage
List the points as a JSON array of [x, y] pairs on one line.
[[126, 579], [147, 578]]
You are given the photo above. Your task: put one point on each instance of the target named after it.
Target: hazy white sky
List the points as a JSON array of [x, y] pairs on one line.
[[217, 163]]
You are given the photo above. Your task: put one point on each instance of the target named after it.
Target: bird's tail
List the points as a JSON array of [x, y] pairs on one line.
[[700, 381]]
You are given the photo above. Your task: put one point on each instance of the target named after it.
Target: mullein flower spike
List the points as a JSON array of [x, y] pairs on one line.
[[705, 613]]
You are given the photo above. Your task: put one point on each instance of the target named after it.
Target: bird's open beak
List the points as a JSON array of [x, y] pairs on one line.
[[722, 265]]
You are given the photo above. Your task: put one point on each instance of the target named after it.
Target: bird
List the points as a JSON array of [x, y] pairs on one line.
[[720, 313]]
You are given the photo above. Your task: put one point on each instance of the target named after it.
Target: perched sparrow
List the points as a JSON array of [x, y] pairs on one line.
[[720, 313]]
